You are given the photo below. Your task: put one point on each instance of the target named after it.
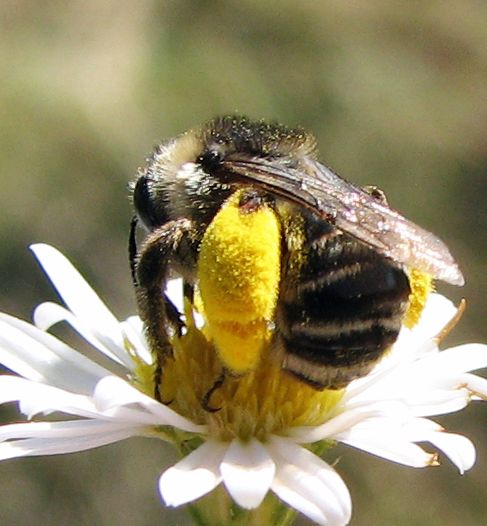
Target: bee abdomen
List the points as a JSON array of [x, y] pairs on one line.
[[342, 313], [335, 353], [352, 335]]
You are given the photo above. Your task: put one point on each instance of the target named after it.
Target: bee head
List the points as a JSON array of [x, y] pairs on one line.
[[186, 176]]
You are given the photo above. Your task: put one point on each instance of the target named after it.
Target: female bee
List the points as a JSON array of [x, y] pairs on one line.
[[320, 267]]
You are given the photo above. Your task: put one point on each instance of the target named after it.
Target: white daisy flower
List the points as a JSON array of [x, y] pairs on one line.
[[270, 426]]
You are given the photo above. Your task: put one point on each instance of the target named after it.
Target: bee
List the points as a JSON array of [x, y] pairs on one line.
[[338, 255]]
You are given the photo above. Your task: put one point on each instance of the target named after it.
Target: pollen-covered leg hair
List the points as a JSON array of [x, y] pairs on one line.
[[161, 319]]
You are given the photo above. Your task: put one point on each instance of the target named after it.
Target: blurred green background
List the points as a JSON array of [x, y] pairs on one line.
[[396, 93]]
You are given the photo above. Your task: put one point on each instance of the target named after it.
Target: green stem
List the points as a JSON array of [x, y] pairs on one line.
[[218, 509]]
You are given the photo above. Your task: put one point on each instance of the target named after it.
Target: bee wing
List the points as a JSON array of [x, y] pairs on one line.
[[352, 210]]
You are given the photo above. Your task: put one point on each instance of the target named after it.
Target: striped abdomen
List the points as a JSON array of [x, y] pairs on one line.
[[340, 307]]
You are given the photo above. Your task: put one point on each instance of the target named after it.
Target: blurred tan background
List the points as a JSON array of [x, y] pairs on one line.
[[396, 93]]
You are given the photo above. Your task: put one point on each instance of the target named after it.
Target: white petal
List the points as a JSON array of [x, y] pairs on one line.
[[247, 472], [48, 314], [475, 384], [437, 312], [64, 429], [460, 359], [79, 297], [423, 400], [390, 375], [100, 435], [308, 484], [35, 398], [41, 357], [143, 411], [457, 448], [437, 381], [289, 492], [112, 393], [350, 417], [437, 402], [194, 476], [383, 438]]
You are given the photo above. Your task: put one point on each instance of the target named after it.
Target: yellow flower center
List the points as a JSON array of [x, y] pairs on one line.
[[264, 401]]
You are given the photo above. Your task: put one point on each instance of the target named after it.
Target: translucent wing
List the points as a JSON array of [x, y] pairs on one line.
[[351, 209]]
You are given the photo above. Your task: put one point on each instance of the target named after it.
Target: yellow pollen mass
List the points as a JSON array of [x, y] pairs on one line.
[[239, 273], [421, 285]]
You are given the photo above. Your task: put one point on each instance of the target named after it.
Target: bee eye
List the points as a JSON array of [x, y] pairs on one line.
[[210, 161]]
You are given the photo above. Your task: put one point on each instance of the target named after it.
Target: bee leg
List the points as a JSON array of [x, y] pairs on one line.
[[162, 247], [205, 402], [133, 249], [173, 314]]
